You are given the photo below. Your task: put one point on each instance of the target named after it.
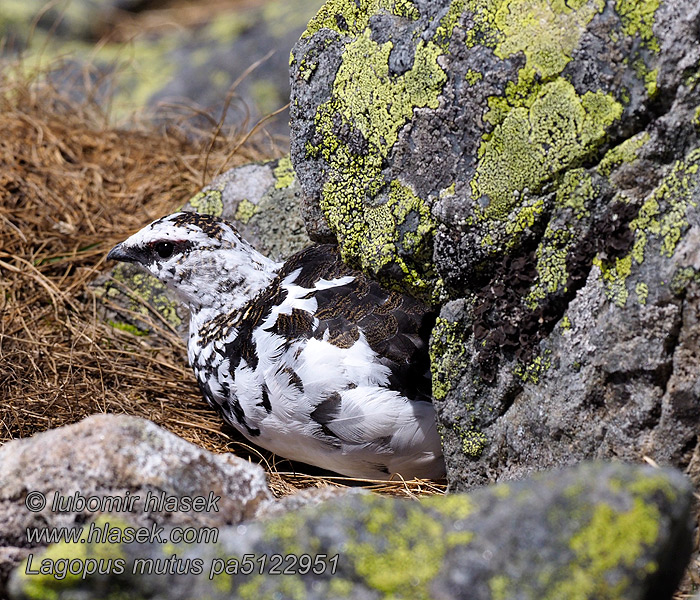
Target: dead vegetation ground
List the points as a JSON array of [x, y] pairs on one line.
[[71, 186]]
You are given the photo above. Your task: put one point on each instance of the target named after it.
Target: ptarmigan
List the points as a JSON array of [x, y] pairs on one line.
[[307, 358]]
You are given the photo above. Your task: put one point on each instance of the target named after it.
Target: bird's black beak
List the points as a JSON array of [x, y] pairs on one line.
[[119, 252]]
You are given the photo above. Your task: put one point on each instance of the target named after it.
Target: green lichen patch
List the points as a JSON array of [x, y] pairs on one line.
[[208, 203], [398, 550], [473, 77], [245, 211], [613, 539], [67, 561], [348, 16], [575, 194], [546, 32], [128, 327], [661, 218], [284, 173], [637, 18], [682, 278], [533, 371], [394, 231], [534, 144], [473, 440], [552, 273], [626, 152], [448, 347], [144, 292]]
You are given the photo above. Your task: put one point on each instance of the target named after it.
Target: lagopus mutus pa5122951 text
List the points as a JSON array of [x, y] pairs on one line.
[[307, 358]]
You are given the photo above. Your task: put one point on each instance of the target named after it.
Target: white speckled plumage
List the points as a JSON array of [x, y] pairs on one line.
[[306, 358]]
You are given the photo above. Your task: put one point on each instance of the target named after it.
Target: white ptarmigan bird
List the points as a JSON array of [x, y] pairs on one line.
[[307, 358]]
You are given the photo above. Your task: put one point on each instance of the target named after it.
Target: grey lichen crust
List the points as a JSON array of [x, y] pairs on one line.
[[534, 164], [593, 532], [262, 200]]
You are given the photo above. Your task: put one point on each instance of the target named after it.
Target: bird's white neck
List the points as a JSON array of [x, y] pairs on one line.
[[225, 280]]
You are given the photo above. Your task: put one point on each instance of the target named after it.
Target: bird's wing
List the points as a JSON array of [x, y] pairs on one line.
[[394, 325]]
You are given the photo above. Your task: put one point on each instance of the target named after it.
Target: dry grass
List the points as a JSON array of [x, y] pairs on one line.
[[71, 186]]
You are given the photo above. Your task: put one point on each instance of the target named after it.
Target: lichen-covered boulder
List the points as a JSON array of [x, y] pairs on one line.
[[533, 166], [262, 200], [599, 531]]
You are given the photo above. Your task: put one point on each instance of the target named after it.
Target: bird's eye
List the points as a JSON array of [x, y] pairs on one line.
[[164, 249]]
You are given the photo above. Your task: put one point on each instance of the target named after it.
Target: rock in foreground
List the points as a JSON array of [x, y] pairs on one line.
[[118, 457], [595, 531]]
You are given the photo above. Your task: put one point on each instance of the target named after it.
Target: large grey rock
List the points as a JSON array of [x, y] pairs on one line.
[[599, 531], [534, 168], [118, 457]]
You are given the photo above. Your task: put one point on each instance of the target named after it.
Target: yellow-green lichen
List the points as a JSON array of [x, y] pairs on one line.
[[443, 32], [282, 17], [501, 587], [615, 274], [552, 274], [284, 173], [145, 290], [642, 291], [379, 224], [447, 350], [545, 32], [565, 323], [397, 548], [575, 192], [266, 95], [245, 211], [647, 75], [662, 216], [541, 125], [403, 553], [346, 16], [472, 439], [535, 143], [208, 203], [227, 26], [637, 18], [520, 221], [533, 371], [473, 77], [683, 277], [49, 586], [340, 588], [612, 539], [127, 327], [454, 506], [142, 67], [626, 152]]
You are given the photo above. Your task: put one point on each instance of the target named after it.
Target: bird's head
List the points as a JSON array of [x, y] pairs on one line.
[[200, 257]]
